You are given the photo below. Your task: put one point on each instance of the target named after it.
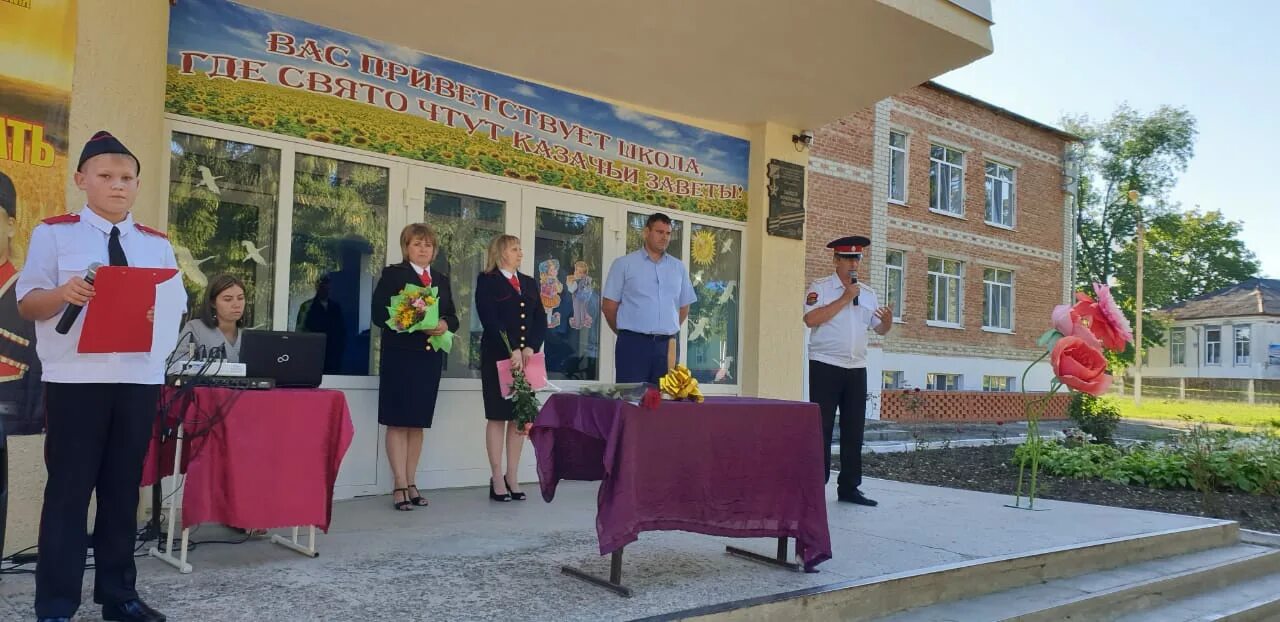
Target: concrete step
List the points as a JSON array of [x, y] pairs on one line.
[[887, 434], [942, 588], [1109, 594], [1251, 601]]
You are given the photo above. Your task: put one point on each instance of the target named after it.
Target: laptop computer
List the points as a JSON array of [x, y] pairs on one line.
[[292, 359]]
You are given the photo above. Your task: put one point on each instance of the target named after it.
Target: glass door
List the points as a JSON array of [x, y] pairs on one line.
[[467, 212], [569, 243]]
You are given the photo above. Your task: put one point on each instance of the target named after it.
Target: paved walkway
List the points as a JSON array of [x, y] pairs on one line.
[[465, 558]]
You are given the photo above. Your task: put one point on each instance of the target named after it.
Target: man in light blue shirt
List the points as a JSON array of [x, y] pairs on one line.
[[646, 299]]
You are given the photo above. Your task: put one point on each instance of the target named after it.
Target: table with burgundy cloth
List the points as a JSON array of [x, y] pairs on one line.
[[736, 467], [253, 459]]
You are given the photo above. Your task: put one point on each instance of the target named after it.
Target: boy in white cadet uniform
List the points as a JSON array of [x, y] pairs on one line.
[[100, 407], [838, 311]]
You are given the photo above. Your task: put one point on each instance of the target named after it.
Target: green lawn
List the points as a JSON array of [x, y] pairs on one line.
[[1227, 413]]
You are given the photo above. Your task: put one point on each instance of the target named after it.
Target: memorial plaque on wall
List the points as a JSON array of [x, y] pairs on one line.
[[786, 200]]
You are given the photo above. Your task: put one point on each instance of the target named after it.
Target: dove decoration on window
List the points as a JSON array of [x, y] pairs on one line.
[[191, 266], [253, 253], [208, 180], [697, 329], [727, 294], [723, 373]]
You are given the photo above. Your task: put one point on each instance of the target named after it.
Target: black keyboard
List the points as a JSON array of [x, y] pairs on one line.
[[228, 382]]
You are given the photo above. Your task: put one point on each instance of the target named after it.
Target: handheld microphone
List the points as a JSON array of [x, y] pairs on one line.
[[70, 314], [853, 278]]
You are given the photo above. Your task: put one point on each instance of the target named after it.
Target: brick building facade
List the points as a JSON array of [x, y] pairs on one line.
[[971, 228]]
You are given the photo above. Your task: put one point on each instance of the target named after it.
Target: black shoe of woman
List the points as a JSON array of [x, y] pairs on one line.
[[518, 496], [493, 496]]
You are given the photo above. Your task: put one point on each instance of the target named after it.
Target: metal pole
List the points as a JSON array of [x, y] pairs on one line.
[[1137, 307]]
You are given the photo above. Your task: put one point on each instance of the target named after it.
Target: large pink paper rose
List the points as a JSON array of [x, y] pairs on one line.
[[1080, 365], [1104, 318]]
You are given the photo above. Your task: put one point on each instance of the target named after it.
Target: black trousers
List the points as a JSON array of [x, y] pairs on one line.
[[97, 440], [832, 387], [640, 358]]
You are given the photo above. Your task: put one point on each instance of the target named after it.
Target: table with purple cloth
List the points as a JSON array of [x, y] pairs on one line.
[[730, 466]]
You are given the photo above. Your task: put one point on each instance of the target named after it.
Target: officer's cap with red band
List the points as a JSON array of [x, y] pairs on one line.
[[851, 246]]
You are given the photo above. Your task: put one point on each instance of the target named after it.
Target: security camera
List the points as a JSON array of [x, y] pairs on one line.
[[803, 139], [806, 135]]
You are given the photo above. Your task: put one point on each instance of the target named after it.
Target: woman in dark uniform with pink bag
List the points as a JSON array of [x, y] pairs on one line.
[[507, 303]]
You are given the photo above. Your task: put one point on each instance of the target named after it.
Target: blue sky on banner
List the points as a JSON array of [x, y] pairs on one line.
[[222, 27]]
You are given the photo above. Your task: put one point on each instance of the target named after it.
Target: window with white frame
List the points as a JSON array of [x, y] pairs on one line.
[[897, 167], [1000, 194], [1241, 340], [942, 382], [892, 379], [946, 180], [999, 383], [1177, 346], [1213, 345], [894, 278], [997, 301], [945, 283]]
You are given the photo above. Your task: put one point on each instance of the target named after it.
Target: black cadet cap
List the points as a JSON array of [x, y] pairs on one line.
[[850, 246], [8, 196], [104, 142]]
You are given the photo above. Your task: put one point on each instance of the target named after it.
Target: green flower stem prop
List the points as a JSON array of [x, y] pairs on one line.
[[1033, 409], [524, 402]]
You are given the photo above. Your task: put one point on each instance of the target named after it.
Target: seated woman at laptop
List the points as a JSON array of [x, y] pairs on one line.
[[216, 327]]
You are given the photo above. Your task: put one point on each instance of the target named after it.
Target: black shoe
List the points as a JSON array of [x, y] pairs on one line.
[[53, 619], [132, 611], [493, 496], [859, 499], [518, 496], [418, 499]]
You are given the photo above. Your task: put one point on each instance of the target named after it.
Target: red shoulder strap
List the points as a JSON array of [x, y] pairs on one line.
[[145, 229], [62, 219]]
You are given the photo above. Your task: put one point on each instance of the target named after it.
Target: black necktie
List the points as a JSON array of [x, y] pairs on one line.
[[115, 252]]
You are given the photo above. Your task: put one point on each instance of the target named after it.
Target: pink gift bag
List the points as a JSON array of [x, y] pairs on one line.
[[535, 372]]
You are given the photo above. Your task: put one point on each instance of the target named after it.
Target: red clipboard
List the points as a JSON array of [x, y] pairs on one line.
[[116, 319]]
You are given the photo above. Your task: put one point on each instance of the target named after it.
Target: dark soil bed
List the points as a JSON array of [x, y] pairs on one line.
[[990, 469]]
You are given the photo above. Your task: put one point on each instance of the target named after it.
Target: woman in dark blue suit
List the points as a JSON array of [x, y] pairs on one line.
[[408, 367], [507, 303]]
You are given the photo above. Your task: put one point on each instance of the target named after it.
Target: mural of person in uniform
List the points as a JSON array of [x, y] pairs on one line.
[[20, 391]]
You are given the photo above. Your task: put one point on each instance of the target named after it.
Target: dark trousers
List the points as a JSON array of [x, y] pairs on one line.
[[640, 358], [832, 387], [97, 440]]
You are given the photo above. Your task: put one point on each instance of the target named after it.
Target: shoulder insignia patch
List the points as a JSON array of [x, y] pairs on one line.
[[811, 299], [145, 229], [62, 219]]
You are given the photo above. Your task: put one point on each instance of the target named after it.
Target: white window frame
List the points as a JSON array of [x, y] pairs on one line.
[[900, 380], [1214, 347], [906, 163], [1236, 359], [1009, 383], [939, 189], [901, 277], [993, 181], [931, 384], [934, 279], [1181, 359], [987, 287]]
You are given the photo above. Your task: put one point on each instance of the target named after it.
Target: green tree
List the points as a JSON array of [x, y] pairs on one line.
[[1188, 254], [1129, 151]]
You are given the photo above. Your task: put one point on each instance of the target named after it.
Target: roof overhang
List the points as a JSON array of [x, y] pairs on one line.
[[802, 63]]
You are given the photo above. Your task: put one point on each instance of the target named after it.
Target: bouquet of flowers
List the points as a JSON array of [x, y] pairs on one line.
[[640, 394], [524, 402], [417, 308]]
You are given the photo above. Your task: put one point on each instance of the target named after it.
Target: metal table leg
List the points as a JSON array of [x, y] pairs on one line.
[[614, 583], [780, 560]]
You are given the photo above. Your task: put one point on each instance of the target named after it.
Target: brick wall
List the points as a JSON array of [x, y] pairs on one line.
[[926, 406], [840, 203]]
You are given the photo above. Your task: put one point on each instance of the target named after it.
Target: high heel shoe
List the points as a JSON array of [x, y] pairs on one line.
[[493, 496], [518, 496], [403, 506], [417, 499]]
